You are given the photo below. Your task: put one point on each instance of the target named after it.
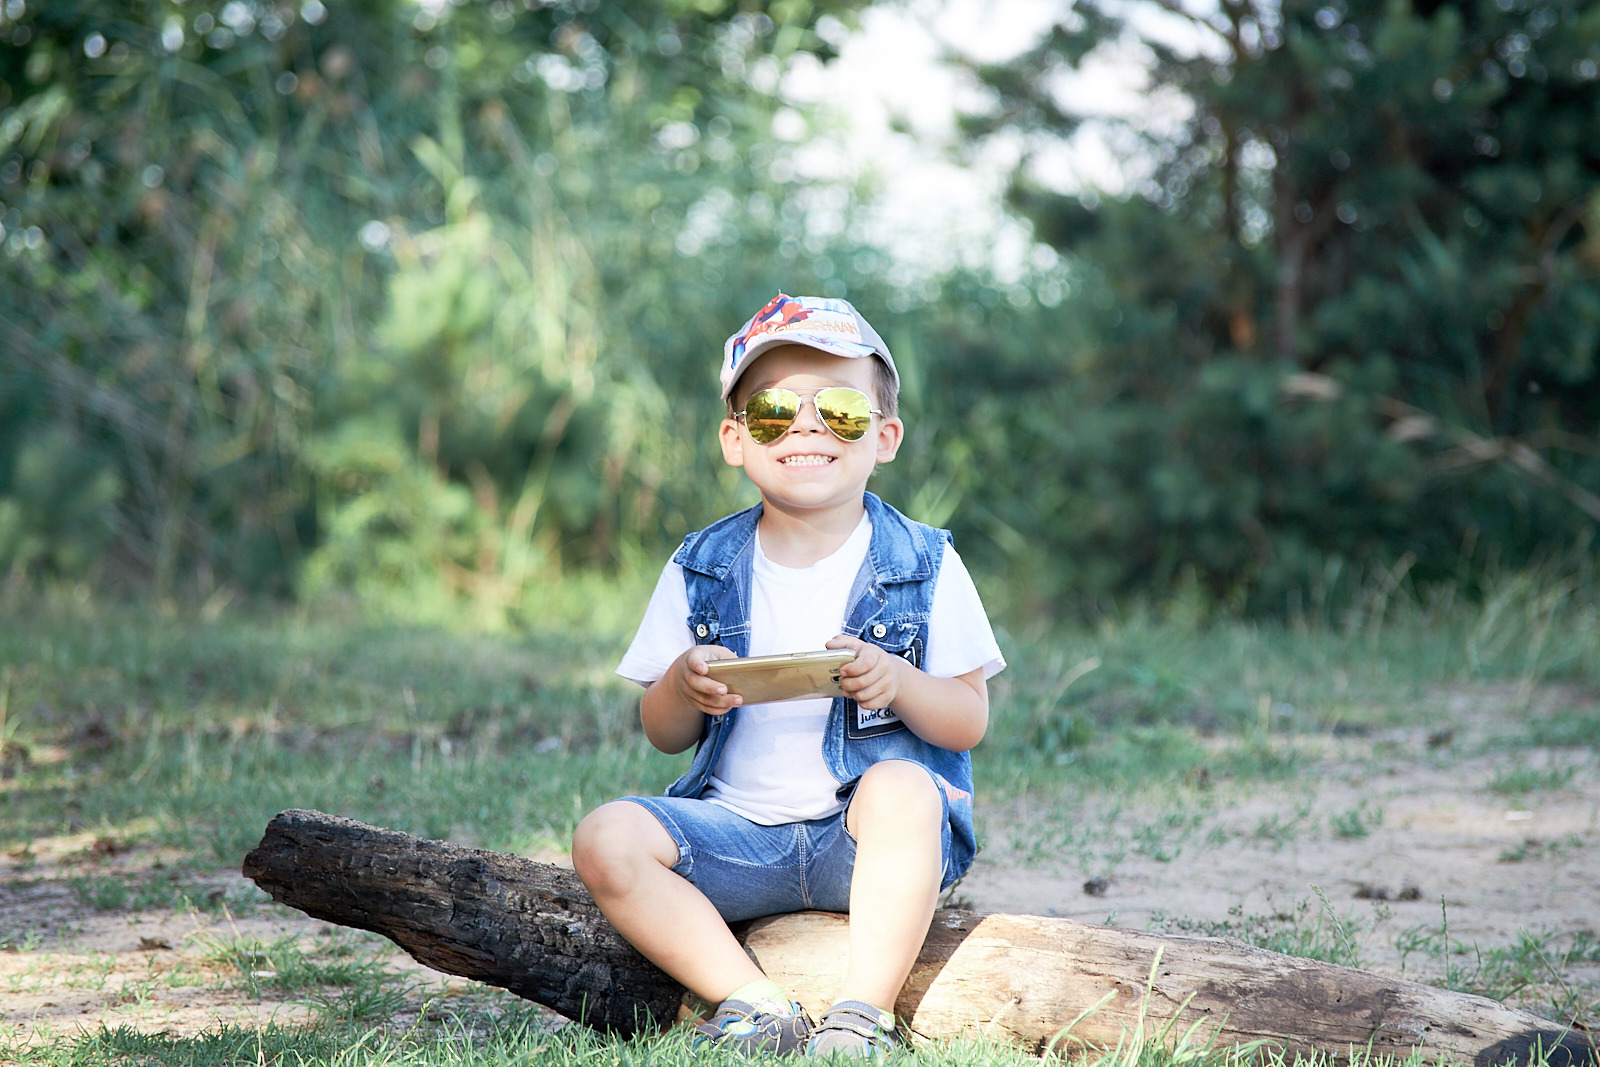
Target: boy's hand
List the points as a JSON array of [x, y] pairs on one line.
[[696, 687], [872, 679]]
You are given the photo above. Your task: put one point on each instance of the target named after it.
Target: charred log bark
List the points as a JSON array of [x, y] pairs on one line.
[[528, 927]]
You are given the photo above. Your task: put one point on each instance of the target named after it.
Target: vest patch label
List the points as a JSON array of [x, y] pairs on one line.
[[870, 722]]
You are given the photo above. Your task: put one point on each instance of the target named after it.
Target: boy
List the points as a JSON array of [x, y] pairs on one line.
[[860, 804]]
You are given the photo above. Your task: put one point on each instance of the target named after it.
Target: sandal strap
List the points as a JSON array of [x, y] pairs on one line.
[[862, 1019]]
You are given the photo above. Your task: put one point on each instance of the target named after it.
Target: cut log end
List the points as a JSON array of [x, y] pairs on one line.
[[533, 929]]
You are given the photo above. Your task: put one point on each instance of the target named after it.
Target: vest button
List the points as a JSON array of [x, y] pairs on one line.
[[702, 630], [879, 629]]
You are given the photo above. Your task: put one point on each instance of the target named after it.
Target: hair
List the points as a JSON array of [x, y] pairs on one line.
[[887, 388], [883, 385]]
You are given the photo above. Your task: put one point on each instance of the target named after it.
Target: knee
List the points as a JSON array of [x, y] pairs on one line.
[[612, 843], [900, 793]]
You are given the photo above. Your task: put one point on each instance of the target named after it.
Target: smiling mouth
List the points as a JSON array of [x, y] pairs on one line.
[[806, 461]]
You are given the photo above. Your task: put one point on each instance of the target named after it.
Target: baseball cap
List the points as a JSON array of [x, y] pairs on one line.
[[819, 322]]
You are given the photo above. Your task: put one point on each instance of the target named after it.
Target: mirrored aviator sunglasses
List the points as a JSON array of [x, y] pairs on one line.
[[769, 413]]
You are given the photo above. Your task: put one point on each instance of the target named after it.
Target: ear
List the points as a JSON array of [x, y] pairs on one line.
[[732, 442], [890, 432]]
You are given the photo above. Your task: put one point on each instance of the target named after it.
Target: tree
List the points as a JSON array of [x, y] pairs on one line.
[[1352, 312], [407, 291]]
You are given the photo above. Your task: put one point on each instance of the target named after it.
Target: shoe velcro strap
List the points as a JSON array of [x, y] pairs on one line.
[[856, 1021]]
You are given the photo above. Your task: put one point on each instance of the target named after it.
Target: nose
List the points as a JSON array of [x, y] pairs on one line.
[[811, 423]]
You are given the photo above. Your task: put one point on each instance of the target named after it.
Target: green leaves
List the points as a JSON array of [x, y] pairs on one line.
[[399, 295], [1394, 196], [57, 502]]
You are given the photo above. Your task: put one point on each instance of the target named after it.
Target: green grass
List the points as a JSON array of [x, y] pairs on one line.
[[147, 727], [1567, 728], [1521, 780], [208, 728], [1553, 971], [513, 1039], [1534, 848], [1357, 822], [174, 891], [286, 965], [203, 731], [1308, 929]]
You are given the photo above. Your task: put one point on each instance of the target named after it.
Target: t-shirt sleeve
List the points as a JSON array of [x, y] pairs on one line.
[[959, 636], [663, 633]]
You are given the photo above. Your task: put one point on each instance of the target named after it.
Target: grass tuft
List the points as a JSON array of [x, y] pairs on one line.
[[1553, 971], [1312, 933], [1525, 779]]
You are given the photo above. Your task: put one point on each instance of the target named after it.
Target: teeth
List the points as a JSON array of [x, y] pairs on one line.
[[807, 461]]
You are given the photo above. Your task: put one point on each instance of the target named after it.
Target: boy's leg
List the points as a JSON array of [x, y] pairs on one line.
[[625, 856], [897, 819]]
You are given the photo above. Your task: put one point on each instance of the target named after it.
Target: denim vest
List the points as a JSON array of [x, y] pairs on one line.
[[888, 606]]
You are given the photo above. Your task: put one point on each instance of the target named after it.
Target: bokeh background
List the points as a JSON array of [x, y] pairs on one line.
[[417, 306]]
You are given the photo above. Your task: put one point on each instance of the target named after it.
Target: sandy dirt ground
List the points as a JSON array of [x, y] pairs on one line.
[[1398, 836], [1446, 852]]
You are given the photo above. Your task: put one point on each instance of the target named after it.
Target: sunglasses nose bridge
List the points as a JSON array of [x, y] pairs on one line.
[[816, 423]]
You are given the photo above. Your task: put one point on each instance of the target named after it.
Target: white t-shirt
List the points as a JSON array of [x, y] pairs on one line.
[[771, 770]]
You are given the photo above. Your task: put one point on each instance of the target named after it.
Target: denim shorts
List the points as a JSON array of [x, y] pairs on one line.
[[748, 870]]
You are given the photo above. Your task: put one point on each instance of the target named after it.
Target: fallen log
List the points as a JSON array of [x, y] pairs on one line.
[[533, 929]]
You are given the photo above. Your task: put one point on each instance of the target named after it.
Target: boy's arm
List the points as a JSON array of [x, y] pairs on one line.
[[952, 713], [674, 707]]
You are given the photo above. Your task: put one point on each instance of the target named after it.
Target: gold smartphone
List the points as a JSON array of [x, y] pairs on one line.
[[791, 676]]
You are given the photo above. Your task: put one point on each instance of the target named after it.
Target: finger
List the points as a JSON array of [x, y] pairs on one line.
[[705, 686], [872, 698], [864, 664], [710, 693], [856, 687], [700, 655]]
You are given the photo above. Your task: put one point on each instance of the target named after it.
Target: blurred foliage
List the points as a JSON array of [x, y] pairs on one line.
[[1345, 325], [419, 303], [402, 300]]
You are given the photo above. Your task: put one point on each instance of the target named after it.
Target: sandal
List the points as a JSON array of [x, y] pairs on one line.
[[855, 1029], [767, 1026]]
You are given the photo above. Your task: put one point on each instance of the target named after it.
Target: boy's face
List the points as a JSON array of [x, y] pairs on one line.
[[809, 468]]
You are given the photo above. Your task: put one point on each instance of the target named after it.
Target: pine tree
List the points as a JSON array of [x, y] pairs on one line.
[[1355, 301]]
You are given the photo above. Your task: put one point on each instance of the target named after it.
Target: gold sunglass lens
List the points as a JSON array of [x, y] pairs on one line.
[[769, 413], [846, 412]]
